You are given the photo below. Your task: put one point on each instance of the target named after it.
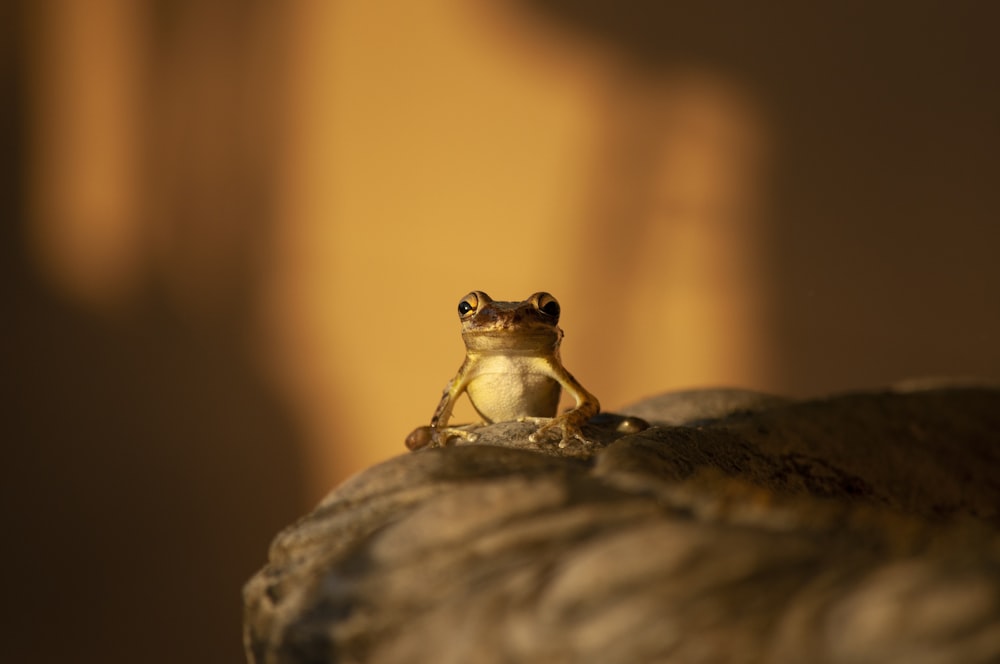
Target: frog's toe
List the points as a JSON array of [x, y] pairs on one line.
[[428, 436], [568, 433], [444, 436], [540, 434], [572, 436]]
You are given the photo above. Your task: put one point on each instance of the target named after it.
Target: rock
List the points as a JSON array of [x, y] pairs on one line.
[[858, 528], [697, 406]]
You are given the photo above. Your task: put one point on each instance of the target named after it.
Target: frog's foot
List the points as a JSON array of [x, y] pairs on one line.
[[567, 424], [428, 436]]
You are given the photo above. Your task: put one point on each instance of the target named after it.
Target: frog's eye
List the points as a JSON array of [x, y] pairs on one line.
[[548, 305], [468, 305]]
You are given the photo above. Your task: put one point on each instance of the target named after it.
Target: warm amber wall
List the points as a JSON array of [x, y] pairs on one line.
[[444, 149], [241, 230]]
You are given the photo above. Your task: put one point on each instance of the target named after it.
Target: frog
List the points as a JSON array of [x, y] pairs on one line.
[[512, 372]]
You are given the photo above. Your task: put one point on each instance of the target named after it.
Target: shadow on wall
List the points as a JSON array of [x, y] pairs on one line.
[[146, 469], [877, 239], [147, 464]]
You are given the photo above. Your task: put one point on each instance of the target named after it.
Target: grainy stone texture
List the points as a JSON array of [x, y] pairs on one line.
[[739, 528]]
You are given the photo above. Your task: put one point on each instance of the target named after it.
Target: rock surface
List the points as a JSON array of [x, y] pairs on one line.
[[738, 528]]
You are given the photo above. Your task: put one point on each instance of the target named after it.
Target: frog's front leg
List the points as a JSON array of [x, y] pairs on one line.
[[438, 433], [571, 422]]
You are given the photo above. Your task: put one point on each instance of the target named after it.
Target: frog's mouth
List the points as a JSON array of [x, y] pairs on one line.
[[510, 315], [513, 340]]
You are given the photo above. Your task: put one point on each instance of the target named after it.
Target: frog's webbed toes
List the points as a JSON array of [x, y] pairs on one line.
[[569, 429], [428, 436], [467, 436], [443, 437]]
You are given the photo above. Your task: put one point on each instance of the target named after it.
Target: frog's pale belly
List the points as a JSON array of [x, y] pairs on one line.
[[506, 388]]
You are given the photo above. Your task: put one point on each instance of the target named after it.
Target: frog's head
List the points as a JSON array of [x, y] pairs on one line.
[[531, 326]]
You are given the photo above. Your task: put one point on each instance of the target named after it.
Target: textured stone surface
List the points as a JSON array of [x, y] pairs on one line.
[[739, 528]]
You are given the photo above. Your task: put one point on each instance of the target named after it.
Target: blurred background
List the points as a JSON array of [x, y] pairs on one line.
[[237, 231]]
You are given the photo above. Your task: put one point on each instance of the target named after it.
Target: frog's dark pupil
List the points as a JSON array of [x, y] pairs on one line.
[[552, 309], [464, 308]]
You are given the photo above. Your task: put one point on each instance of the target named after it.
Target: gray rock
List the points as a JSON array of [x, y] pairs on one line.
[[699, 406], [859, 528]]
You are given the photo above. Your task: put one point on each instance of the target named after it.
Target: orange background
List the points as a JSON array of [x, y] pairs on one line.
[[240, 230]]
